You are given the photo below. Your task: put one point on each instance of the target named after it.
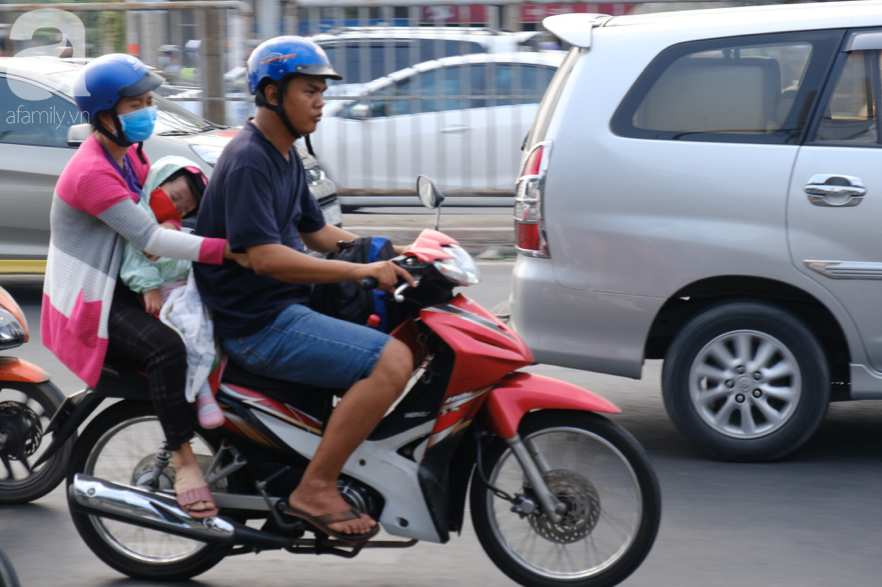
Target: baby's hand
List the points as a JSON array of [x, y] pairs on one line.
[[152, 301], [169, 226]]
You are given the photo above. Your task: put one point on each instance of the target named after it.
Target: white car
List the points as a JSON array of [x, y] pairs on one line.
[[459, 120]]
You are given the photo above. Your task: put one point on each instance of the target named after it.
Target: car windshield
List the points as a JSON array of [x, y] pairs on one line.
[[171, 119]]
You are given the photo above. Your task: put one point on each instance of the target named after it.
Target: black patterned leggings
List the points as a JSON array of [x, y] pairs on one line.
[[135, 334]]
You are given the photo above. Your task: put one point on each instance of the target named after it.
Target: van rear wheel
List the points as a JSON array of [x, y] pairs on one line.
[[746, 381]]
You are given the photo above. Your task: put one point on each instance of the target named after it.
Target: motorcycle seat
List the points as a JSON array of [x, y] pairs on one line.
[[278, 389]]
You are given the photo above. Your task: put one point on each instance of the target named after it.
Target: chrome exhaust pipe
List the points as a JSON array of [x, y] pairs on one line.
[[161, 512]]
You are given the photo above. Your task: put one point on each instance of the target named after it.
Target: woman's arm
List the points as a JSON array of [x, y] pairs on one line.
[[137, 227]]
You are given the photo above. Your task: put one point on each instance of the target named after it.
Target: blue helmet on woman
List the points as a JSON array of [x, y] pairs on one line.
[[106, 80], [274, 60]]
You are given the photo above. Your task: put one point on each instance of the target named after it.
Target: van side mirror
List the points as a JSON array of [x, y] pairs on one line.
[[77, 134]]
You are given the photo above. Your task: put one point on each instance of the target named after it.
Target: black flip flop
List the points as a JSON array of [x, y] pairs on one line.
[[321, 523]]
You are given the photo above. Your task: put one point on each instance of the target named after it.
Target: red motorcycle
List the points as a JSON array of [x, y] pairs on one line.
[[27, 401], [559, 495]]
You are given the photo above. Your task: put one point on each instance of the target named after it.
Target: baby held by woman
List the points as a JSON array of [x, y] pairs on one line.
[[172, 192]]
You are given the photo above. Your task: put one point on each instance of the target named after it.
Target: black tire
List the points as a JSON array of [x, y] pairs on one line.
[[181, 570], [647, 495], [50, 474], [752, 434], [8, 578]]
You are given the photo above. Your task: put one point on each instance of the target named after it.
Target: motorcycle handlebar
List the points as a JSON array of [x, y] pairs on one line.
[[368, 283]]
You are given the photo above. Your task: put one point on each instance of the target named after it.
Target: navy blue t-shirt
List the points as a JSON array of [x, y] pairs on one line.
[[255, 197]]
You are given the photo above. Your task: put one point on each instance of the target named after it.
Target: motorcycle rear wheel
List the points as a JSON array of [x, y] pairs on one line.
[[25, 411], [118, 443], [8, 578], [603, 476]]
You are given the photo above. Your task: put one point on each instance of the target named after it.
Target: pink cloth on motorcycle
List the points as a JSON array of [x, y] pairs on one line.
[[93, 213]]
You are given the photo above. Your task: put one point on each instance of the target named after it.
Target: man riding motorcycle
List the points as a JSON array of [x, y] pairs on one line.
[[258, 199]]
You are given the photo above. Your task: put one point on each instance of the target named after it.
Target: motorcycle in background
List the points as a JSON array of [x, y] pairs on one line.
[[560, 496], [27, 402]]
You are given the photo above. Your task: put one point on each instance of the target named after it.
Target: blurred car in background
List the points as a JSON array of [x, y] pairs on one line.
[[460, 120], [363, 54], [36, 111]]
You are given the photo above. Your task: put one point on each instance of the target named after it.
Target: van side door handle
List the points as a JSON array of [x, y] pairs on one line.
[[835, 191]]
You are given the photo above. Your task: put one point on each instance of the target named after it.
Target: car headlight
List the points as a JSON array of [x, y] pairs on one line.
[[208, 153], [462, 269], [12, 332]]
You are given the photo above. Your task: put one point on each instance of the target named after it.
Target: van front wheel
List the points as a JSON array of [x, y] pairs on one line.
[[746, 381]]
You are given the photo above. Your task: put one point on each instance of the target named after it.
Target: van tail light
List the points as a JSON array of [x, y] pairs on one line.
[[530, 235]]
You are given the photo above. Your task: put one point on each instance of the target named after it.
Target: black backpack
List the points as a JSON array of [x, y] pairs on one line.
[[346, 300]]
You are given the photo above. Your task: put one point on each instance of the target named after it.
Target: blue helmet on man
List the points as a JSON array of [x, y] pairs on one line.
[[106, 80], [278, 60]]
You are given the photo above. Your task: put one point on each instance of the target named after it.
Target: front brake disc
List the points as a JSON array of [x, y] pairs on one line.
[[582, 512]]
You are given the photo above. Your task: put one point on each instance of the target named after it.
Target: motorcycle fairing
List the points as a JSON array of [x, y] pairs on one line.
[[421, 402], [266, 404], [519, 393], [379, 465], [13, 369], [485, 348]]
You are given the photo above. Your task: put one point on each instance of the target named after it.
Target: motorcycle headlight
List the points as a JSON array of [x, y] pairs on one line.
[[462, 269], [12, 332]]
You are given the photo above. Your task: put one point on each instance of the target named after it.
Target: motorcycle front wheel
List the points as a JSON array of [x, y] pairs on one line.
[[25, 411], [120, 445], [603, 477]]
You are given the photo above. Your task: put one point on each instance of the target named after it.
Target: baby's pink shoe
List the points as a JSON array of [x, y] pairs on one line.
[[210, 414]]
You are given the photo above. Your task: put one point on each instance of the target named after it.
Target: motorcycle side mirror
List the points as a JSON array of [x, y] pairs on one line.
[[77, 134], [430, 196]]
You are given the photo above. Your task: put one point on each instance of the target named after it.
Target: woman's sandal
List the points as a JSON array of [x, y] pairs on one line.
[[321, 523], [191, 497]]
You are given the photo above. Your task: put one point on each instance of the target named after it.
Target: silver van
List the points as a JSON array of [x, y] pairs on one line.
[[705, 187]]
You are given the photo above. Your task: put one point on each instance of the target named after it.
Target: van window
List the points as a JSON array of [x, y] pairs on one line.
[[746, 89], [850, 114]]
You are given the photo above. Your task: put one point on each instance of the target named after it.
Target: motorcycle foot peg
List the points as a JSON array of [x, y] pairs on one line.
[[276, 512]]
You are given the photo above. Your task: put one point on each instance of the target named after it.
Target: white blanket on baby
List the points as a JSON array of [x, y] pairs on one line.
[[184, 312]]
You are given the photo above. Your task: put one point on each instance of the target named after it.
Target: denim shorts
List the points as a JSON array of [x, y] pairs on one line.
[[303, 346]]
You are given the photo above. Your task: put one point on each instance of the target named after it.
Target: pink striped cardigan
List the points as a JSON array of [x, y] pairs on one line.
[[93, 213]]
